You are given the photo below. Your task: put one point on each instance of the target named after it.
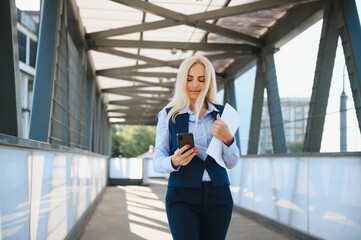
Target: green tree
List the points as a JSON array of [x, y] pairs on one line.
[[295, 147], [116, 148], [132, 140]]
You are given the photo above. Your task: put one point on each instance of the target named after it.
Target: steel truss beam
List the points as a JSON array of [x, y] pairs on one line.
[[45, 70], [10, 108], [322, 81]]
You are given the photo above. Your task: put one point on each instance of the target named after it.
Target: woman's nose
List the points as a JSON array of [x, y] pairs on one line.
[[195, 83]]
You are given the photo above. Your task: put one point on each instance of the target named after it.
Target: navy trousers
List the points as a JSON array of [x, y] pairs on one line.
[[199, 213]]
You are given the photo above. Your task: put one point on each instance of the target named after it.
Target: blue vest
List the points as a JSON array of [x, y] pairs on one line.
[[191, 175]]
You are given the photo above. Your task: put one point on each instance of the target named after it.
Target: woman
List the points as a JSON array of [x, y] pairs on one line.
[[198, 201]]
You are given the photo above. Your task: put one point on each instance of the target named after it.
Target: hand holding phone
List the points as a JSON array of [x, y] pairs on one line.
[[183, 158], [185, 138]]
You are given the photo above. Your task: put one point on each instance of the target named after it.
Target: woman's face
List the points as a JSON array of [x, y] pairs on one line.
[[196, 81]]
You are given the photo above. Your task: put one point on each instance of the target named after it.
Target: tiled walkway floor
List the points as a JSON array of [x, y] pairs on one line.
[[138, 213]]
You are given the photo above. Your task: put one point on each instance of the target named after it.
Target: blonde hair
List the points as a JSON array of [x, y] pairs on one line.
[[180, 98]]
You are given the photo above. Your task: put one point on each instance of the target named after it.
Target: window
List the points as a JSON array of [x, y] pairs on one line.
[[22, 46], [33, 49]]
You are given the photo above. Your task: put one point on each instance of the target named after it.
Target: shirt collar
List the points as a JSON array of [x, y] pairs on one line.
[[211, 108]]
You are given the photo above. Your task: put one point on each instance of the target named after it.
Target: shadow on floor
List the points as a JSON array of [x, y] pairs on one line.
[[138, 213]]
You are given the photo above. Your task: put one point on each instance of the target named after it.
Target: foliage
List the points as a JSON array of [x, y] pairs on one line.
[[295, 147], [115, 141], [132, 140]]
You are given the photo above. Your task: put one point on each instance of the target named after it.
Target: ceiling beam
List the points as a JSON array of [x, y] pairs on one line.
[[145, 109], [232, 47], [142, 27], [75, 25], [145, 83], [141, 87], [253, 6], [132, 80], [175, 63], [128, 76], [152, 8], [212, 28], [136, 115], [135, 121], [129, 101], [121, 90], [295, 22], [136, 104], [239, 67], [115, 52], [119, 70], [136, 73], [135, 110], [214, 14], [183, 19], [136, 97]]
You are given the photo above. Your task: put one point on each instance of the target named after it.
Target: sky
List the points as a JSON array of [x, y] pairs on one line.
[[295, 66], [295, 77], [28, 5]]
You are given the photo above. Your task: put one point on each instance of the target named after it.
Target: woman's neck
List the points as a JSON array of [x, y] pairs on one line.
[[202, 111]]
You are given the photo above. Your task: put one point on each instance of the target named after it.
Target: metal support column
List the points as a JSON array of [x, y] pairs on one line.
[[105, 131], [45, 70], [90, 93], [109, 139], [10, 109], [322, 82], [102, 129], [257, 106], [97, 122], [225, 93], [274, 105], [230, 98], [348, 23], [343, 122]]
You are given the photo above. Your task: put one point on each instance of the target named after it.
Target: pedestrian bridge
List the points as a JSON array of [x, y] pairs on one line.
[[137, 212], [78, 67], [50, 192]]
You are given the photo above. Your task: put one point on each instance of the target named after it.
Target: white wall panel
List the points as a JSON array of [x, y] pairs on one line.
[[42, 166], [335, 198], [44, 192], [319, 195], [57, 223], [14, 194], [126, 168]]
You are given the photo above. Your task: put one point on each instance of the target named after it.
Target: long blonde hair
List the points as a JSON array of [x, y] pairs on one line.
[[180, 98]]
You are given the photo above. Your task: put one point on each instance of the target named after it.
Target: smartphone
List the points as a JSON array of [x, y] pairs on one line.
[[185, 138]]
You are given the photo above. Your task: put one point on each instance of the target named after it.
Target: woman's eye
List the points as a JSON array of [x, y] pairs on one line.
[[201, 79], [189, 79]]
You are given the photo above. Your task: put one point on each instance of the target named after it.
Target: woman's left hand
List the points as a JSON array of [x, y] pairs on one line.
[[220, 130]]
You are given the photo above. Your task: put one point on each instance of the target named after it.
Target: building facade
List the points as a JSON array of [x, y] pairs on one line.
[[294, 113], [27, 25]]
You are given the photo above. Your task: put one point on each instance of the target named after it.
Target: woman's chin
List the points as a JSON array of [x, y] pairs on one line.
[[193, 96]]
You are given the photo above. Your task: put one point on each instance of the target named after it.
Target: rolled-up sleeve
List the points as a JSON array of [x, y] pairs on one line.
[[161, 159], [230, 154]]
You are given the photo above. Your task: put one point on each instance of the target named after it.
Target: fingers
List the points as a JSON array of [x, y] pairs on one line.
[[191, 153], [219, 127], [184, 148], [219, 123], [220, 130], [182, 157]]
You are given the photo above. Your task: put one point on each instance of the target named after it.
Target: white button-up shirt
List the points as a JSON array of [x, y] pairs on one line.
[[202, 135]]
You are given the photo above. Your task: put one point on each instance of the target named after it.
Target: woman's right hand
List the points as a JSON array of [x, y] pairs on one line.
[[181, 157]]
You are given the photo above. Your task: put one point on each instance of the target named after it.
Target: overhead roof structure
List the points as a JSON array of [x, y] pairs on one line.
[[137, 46]]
